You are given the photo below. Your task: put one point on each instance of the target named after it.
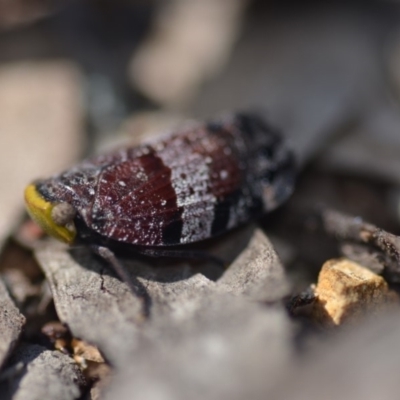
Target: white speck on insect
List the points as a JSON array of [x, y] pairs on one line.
[[122, 183], [223, 174]]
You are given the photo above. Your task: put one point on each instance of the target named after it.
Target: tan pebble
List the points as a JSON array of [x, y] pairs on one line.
[[85, 350], [346, 290]]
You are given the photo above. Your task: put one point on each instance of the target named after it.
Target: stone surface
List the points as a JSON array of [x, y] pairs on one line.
[[11, 323], [95, 305], [221, 347], [345, 291], [257, 272], [45, 374], [358, 364], [100, 309]]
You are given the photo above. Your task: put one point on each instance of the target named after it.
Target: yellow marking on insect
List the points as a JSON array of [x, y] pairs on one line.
[[40, 211]]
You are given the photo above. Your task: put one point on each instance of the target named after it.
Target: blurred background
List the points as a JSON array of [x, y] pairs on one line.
[[78, 76]]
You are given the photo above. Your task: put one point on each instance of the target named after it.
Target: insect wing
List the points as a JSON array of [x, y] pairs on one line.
[[178, 192]]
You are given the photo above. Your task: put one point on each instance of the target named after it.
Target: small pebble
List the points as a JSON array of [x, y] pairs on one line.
[[346, 290]]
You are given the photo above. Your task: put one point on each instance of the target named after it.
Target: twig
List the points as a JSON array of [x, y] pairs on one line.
[[350, 228]]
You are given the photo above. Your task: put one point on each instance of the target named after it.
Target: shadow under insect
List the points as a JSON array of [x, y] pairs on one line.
[[209, 258]]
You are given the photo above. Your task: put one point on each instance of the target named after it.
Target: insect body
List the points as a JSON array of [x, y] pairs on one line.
[[183, 188]]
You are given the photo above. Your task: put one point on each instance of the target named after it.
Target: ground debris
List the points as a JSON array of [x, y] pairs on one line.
[[364, 255], [58, 335], [85, 351], [351, 228], [346, 291]]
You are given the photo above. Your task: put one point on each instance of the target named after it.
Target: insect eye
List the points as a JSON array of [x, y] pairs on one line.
[[56, 219], [63, 213]]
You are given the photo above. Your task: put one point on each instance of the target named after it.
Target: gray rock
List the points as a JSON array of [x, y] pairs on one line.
[[95, 305], [11, 323], [257, 272], [100, 308], [220, 347], [358, 365], [200, 337], [44, 374]]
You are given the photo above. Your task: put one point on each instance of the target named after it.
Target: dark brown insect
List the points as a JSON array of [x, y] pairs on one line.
[[185, 187]]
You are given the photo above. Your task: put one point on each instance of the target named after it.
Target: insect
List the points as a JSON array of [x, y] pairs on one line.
[[185, 187]]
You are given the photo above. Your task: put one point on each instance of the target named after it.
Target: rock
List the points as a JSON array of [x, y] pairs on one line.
[[100, 309], [357, 364], [96, 306], [221, 347], [45, 375], [11, 323], [257, 272], [346, 291]]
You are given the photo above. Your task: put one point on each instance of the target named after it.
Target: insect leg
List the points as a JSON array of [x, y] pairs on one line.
[[190, 254], [299, 300], [134, 285]]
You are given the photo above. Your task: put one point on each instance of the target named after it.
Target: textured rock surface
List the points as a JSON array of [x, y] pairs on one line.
[[44, 374], [257, 272], [216, 347], [94, 304], [11, 323], [359, 364], [100, 309]]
